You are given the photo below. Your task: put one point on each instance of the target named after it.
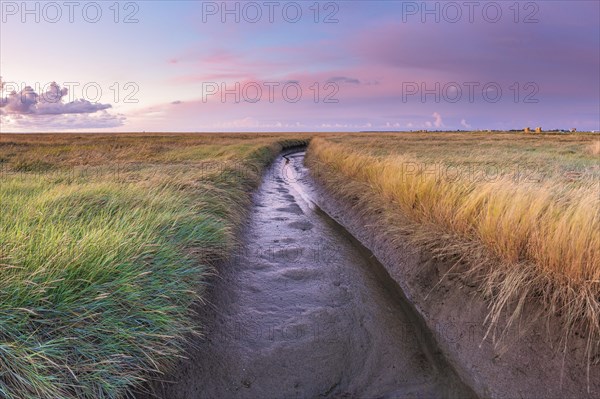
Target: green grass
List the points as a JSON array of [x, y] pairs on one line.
[[105, 242]]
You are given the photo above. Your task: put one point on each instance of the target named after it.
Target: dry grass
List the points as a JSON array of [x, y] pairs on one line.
[[531, 205], [594, 148]]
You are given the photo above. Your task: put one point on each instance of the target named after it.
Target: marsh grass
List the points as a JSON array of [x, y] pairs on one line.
[[105, 242], [594, 148], [533, 239]]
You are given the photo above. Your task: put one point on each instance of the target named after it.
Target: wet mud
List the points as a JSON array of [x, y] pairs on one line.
[[303, 310]]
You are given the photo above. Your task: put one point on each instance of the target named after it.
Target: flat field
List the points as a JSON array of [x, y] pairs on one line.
[[107, 240]]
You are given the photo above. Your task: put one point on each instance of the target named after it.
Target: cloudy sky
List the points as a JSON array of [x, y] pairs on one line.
[[299, 66]]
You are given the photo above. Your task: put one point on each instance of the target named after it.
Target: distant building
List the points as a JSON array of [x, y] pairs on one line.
[[538, 129], [573, 130], [527, 130]]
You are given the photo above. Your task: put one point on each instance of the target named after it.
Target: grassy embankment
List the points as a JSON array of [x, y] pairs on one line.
[[522, 211], [105, 242]]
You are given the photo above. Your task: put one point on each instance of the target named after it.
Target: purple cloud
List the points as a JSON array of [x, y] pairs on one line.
[[28, 102], [27, 109]]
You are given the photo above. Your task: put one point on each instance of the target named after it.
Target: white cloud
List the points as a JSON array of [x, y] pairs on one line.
[[438, 120]]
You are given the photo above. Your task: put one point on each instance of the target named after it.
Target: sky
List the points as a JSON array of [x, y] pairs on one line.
[[197, 66]]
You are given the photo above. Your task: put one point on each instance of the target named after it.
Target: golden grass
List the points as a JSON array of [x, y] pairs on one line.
[[594, 148], [542, 235]]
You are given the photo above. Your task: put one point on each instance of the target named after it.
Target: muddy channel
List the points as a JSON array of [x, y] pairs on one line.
[[303, 310]]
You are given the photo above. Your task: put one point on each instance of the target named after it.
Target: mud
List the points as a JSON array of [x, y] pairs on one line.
[[303, 310]]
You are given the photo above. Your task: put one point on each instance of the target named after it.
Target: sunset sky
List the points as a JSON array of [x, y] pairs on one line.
[[360, 66]]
